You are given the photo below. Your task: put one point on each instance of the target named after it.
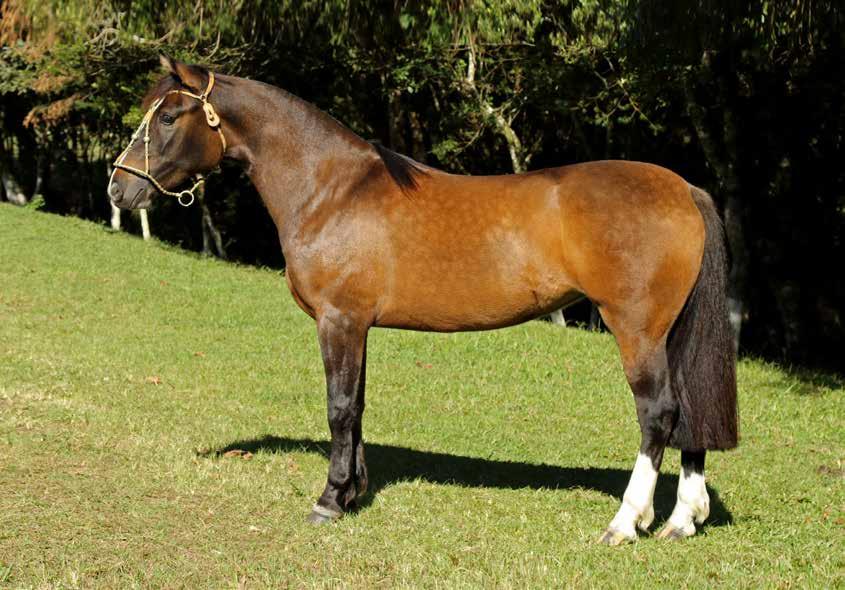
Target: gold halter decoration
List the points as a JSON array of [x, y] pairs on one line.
[[211, 118]]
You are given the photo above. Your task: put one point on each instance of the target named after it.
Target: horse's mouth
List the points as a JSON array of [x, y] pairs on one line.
[[134, 203]]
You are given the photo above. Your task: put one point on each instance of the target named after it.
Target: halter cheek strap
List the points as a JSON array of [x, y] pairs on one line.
[[186, 197]]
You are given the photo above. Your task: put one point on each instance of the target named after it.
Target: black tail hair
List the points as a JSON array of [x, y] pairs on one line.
[[702, 359]]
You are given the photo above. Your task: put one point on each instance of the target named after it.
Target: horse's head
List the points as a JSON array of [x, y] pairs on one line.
[[179, 138]]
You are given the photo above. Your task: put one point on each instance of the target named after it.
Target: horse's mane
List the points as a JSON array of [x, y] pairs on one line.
[[402, 169]]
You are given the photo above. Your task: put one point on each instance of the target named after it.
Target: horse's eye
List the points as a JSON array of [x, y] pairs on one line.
[[167, 119]]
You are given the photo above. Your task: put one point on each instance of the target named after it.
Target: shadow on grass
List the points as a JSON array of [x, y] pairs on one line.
[[388, 464], [806, 382], [800, 381]]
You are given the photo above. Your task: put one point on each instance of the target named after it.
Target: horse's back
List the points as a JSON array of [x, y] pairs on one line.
[[483, 252], [469, 253]]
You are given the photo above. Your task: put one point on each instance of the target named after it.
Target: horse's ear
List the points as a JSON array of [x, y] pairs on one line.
[[191, 76], [168, 64]]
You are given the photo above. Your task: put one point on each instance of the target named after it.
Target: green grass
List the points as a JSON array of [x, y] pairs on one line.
[[496, 458]]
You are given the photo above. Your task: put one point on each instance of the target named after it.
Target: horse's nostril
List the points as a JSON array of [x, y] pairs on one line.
[[115, 192]]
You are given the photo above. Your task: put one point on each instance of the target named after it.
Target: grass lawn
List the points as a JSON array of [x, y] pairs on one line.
[[162, 424]]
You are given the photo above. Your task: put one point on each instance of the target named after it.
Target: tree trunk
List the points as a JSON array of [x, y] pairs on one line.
[[210, 233], [11, 187], [519, 159], [41, 171], [12, 155], [418, 151], [394, 121], [13, 190], [722, 160], [738, 276]]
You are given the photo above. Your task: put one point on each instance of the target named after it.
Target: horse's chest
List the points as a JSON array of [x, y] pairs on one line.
[[298, 295]]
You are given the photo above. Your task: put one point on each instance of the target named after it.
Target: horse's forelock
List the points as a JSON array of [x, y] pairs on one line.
[[164, 85]]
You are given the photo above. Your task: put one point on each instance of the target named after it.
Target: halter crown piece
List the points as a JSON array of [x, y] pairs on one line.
[[186, 197]]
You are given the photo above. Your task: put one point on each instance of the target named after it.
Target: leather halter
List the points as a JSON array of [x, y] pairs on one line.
[[211, 118]]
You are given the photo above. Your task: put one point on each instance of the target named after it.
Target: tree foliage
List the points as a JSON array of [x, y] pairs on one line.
[[743, 99]]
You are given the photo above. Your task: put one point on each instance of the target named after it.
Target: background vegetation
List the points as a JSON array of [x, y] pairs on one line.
[[163, 425], [742, 98]]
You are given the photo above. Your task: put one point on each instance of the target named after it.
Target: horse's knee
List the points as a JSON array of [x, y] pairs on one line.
[[656, 414], [657, 407]]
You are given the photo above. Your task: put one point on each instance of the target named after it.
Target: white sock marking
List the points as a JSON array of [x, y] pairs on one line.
[[637, 508], [693, 502]]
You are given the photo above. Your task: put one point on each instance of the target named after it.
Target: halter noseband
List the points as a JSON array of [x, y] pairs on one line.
[[211, 118]]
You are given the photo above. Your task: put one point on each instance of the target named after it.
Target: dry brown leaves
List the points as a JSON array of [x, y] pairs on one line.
[[50, 114], [47, 83]]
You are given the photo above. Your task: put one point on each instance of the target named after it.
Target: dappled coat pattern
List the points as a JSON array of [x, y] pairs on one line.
[[373, 239]]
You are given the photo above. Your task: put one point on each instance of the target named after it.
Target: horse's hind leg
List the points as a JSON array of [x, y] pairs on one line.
[[343, 343], [693, 505], [647, 369]]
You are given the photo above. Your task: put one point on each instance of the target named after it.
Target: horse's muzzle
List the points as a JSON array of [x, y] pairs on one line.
[[130, 197], [115, 192]]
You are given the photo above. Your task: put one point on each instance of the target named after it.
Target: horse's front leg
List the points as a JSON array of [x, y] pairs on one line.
[[343, 342]]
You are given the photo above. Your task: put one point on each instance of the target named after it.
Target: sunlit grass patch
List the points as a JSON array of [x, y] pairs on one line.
[[131, 372]]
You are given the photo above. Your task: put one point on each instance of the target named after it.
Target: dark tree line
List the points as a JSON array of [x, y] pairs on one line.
[[742, 98]]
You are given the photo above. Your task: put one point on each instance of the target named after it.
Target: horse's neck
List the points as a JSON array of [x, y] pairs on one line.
[[297, 156]]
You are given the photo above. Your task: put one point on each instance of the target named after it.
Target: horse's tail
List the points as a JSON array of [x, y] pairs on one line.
[[702, 359]]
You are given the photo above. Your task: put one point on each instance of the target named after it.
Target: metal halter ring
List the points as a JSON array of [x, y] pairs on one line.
[[190, 193]]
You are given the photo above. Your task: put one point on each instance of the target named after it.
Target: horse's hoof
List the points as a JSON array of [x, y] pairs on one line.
[[612, 538], [322, 515], [315, 518], [672, 533]]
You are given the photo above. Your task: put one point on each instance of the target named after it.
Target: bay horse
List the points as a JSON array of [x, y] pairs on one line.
[[375, 239]]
